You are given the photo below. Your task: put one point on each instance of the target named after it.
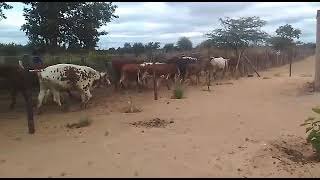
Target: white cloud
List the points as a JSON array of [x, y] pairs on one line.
[[167, 21]]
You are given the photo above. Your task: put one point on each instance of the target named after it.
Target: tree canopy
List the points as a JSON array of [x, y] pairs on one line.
[[168, 47], [67, 24], [285, 37], [3, 6], [238, 34], [184, 43]]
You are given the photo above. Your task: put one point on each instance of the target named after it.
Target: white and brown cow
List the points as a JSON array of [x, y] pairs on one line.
[[64, 77]]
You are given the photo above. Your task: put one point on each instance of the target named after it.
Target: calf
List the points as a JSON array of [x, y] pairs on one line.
[[129, 71], [19, 80], [69, 77], [117, 63]]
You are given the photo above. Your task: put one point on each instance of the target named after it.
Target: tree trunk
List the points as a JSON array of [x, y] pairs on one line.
[[317, 58]]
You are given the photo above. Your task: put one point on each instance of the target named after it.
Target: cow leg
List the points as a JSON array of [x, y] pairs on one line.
[[13, 98], [45, 99], [41, 96], [139, 86], [85, 97], [56, 97], [167, 81], [70, 94], [197, 79], [157, 83], [123, 77]]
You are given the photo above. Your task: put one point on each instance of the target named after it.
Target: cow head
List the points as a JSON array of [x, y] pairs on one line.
[[101, 81], [104, 79]]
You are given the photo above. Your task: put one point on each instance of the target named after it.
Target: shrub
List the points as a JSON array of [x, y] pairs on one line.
[[178, 92], [98, 60], [313, 130]]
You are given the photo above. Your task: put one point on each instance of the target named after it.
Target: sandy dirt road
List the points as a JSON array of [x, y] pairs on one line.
[[246, 129]]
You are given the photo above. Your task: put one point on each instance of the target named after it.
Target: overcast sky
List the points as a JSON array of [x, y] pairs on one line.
[[167, 21]]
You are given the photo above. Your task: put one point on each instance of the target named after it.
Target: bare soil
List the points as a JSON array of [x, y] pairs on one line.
[[241, 128]]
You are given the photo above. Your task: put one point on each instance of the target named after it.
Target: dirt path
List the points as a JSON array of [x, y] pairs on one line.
[[247, 129]]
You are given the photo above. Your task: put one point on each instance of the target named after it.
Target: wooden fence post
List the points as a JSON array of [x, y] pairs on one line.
[[155, 88], [290, 61], [317, 58]]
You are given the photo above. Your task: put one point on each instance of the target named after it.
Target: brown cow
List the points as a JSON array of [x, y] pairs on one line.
[[162, 70], [128, 72]]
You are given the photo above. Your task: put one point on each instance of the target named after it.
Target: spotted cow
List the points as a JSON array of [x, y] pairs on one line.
[[64, 77]]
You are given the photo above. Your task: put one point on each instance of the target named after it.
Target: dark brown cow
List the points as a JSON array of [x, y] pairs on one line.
[[194, 70], [166, 71], [19, 80]]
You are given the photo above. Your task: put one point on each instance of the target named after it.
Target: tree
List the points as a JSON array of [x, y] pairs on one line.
[[112, 50], [150, 48], [127, 47], [67, 24], [138, 48], [184, 43], [238, 34], [284, 40], [3, 6], [85, 20], [152, 45], [168, 47], [206, 44]]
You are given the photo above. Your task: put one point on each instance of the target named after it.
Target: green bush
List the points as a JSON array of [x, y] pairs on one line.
[[178, 92], [313, 130], [98, 60]]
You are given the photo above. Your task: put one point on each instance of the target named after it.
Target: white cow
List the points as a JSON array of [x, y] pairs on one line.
[[69, 77], [219, 64]]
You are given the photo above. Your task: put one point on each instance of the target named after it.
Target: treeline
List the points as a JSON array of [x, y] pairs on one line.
[[138, 48], [57, 27]]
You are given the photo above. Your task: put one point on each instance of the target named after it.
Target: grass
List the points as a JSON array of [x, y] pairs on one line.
[[178, 92]]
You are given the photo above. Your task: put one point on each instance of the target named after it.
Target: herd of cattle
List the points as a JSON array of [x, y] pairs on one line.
[[69, 77]]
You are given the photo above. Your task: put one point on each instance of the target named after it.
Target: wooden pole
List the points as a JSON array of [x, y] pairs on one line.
[[317, 58], [155, 88], [246, 58], [290, 60]]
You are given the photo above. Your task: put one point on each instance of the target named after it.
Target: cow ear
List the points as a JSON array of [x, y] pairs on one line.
[[102, 74]]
